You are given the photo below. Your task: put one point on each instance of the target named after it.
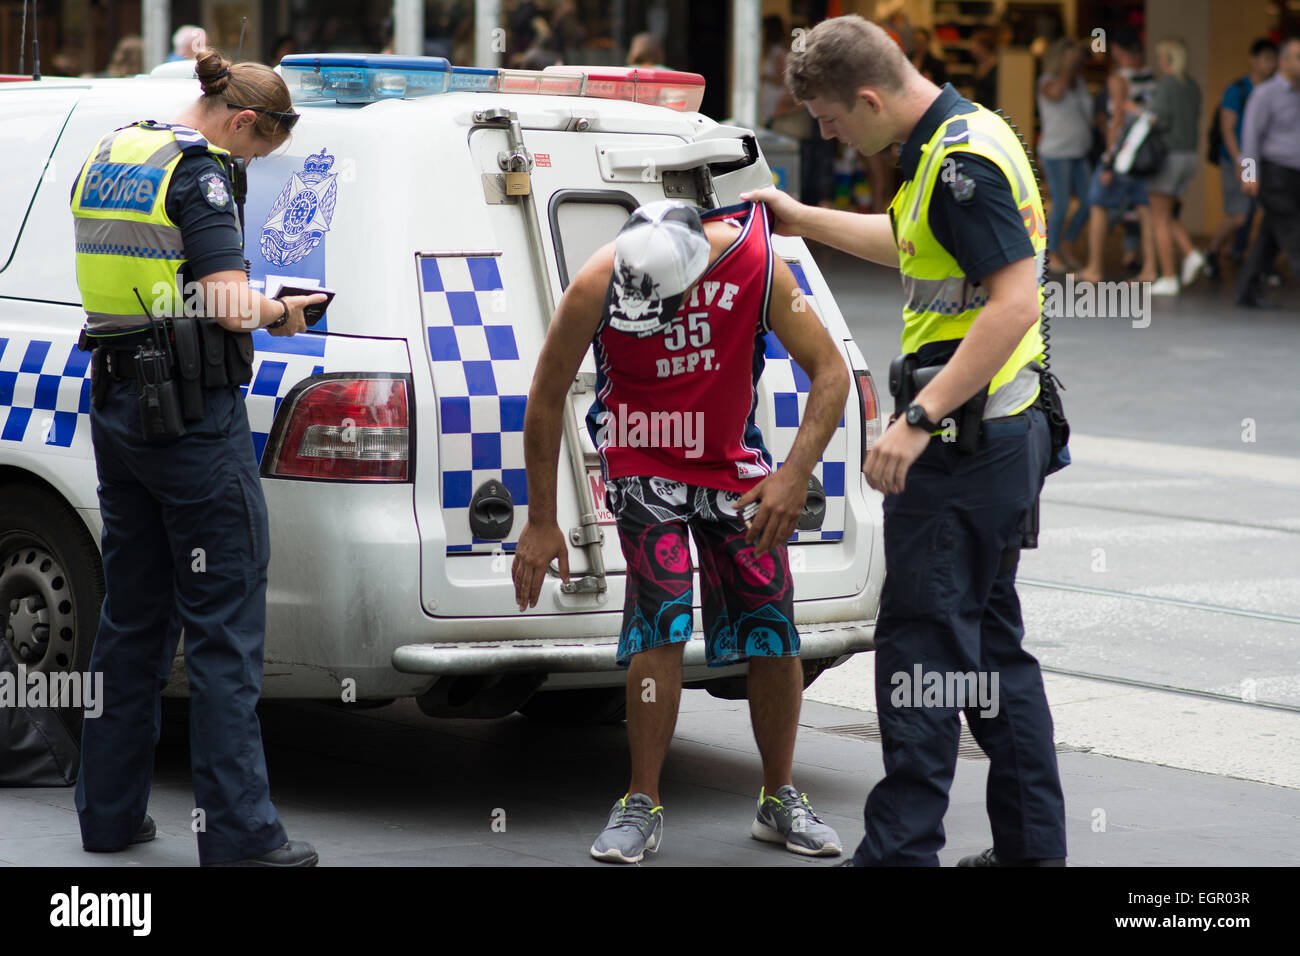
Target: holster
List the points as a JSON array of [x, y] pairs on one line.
[[1049, 400], [98, 377], [227, 357], [189, 367], [906, 381], [239, 357]]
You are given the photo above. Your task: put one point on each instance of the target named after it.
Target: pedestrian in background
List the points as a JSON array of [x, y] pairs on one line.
[[1065, 112], [927, 64], [1270, 141], [984, 49], [1176, 105], [187, 43], [1238, 208], [1111, 195]]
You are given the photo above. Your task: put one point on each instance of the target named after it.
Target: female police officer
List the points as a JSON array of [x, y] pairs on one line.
[[185, 524]]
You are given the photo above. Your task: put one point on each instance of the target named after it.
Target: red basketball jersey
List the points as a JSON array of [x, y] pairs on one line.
[[679, 402]]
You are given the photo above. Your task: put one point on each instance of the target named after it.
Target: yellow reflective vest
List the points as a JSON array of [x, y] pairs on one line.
[[125, 240], [941, 303]]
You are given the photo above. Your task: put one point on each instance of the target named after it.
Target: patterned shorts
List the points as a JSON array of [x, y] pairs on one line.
[[748, 599]]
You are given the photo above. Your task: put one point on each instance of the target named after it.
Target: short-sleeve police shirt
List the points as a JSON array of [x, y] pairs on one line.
[[973, 213], [202, 204]]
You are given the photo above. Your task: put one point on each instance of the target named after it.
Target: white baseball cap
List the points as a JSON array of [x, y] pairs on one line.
[[659, 253]]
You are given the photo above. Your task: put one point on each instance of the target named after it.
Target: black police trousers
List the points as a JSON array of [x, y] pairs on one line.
[[185, 542], [948, 638]]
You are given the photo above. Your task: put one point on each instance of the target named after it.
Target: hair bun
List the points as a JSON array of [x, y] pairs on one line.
[[213, 72]]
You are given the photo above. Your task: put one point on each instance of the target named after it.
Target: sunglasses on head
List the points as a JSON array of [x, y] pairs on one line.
[[287, 121]]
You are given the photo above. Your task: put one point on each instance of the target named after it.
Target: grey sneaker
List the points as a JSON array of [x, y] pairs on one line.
[[635, 825], [787, 817]]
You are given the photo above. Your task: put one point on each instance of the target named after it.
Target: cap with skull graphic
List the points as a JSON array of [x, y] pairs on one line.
[[658, 254]]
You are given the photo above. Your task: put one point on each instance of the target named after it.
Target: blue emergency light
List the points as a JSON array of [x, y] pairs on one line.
[[360, 78]]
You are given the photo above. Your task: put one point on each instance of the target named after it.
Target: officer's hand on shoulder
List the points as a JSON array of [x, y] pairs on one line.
[[296, 322], [782, 207]]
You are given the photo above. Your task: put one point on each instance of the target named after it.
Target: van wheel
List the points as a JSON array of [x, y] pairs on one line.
[[51, 586], [588, 705]]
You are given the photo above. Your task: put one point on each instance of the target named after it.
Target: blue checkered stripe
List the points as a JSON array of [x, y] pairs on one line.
[[482, 386], [137, 252], [789, 386], [274, 376], [44, 394]]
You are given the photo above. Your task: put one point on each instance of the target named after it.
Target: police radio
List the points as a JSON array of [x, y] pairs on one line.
[[239, 191], [160, 406]]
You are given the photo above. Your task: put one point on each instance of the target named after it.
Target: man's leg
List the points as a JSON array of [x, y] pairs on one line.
[[944, 537], [1026, 807], [1025, 804], [775, 696], [1260, 257], [657, 622], [917, 633], [652, 713], [1283, 185]]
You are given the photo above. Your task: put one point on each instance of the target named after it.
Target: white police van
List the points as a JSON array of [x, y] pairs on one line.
[[448, 208]]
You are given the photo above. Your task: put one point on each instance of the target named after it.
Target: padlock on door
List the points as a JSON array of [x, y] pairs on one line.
[[518, 184]]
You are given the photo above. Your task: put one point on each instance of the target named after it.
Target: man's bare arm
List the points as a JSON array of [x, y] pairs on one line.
[[571, 331], [782, 494]]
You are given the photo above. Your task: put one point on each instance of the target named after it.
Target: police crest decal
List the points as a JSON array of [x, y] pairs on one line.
[[302, 213]]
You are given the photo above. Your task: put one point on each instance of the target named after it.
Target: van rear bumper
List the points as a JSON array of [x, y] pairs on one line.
[[817, 640]]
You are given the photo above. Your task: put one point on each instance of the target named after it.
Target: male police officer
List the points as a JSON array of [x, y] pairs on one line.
[[968, 236]]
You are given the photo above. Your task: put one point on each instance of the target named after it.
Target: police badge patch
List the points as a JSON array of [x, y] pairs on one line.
[[962, 186], [214, 190], [301, 214]]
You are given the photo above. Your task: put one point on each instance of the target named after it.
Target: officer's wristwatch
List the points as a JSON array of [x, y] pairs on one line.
[[916, 417]]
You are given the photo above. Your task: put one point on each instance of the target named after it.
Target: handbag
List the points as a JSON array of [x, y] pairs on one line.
[[1142, 152]]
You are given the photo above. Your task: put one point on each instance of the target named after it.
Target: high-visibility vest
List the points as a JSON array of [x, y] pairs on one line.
[[125, 239], [941, 303]]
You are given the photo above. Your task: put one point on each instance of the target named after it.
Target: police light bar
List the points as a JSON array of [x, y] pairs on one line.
[[671, 88], [366, 78], [362, 77]]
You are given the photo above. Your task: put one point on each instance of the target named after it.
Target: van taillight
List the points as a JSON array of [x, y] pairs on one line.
[[870, 406], [344, 429]]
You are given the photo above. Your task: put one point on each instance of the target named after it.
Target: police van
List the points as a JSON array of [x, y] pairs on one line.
[[448, 208]]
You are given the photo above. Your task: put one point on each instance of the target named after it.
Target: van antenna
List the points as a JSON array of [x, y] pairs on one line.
[[22, 39], [240, 50], [36, 39]]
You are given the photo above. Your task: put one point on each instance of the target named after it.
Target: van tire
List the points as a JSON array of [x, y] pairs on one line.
[[51, 585], [587, 705]]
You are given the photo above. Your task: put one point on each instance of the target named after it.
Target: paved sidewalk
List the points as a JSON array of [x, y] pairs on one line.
[[390, 787]]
